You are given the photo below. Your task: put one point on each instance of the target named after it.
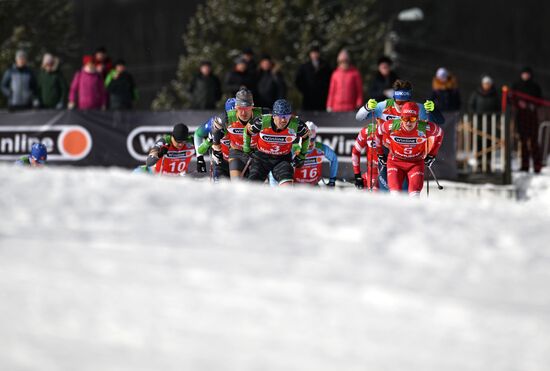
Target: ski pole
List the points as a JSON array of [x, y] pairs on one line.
[[211, 166], [440, 187], [428, 186], [370, 148], [246, 167]]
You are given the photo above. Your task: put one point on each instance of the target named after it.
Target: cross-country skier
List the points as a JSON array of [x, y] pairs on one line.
[[391, 108], [231, 128], [412, 144], [276, 134], [203, 138], [383, 111], [311, 171], [173, 152], [366, 139], [36, 158]]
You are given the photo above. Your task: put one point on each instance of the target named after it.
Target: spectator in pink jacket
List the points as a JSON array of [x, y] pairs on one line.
[[346, 87], [87, 88]]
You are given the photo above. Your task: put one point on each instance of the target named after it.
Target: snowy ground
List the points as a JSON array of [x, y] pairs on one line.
[[105, 270]]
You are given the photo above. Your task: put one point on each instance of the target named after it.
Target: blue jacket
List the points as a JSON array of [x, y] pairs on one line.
[[19, 86]]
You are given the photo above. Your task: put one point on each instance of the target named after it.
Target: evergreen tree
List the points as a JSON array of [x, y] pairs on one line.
[[36, 27], [285, 29]]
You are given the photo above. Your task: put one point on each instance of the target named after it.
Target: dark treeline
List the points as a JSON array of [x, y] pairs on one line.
[[469, 37]]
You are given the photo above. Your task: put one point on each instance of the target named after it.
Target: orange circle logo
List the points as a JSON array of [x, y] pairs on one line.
[[75, 142]]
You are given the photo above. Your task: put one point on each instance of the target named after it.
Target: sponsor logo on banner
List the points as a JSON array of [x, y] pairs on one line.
[[64, 142], [271, 138], [141, 139], [340, 139]]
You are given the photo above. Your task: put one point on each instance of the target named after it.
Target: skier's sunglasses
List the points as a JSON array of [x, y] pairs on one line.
[[409, 119], [283, 117]]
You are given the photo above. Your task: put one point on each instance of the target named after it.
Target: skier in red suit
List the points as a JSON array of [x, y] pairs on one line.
[[412, 144]]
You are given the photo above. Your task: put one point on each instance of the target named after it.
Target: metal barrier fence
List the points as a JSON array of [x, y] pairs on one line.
[[481, 143]]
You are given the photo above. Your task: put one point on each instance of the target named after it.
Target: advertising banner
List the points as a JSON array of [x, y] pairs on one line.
[[106, 138]]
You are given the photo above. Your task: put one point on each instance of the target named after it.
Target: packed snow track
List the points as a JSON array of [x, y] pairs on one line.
[[107, 270]]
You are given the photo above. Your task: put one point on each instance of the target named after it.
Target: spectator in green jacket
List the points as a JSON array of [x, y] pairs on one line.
[[52, 86]]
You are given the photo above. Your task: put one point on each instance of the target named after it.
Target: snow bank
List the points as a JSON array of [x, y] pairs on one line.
[[105, 270], [535, 188]]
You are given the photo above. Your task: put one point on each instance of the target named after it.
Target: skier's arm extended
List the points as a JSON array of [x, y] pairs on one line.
[[382, 129], [433, 116], [202, 132], [331, 156], [205, 146], [358, 148], [219, 128], [303, 132], [157, 151], [364, 113], [436, 132], [250, 129]]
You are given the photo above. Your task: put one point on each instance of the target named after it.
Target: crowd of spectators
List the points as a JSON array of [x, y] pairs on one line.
[[102, 84], [98, 84]]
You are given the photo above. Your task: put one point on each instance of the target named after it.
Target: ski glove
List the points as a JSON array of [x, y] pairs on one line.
[[371, 104], [297, 161], [151, 160], [359, 181], [382, 160], [217, 156], [201, 165], [429, 106], [162, 151], [429, 160], [331, 182]]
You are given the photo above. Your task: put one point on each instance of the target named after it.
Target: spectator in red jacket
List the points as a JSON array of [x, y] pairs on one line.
[[346, 88], [87, 88]]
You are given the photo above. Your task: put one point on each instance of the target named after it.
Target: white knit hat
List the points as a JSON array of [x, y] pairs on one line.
[[47, 59], [442, 73], [487, 80]]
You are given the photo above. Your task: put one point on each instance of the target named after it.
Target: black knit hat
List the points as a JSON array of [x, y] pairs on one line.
[[384, 59], [180, 132], [527, 69]]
